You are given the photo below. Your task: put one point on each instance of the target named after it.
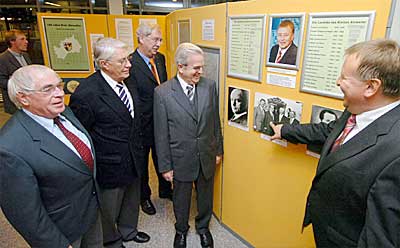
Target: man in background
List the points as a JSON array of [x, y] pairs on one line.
[[189, 141], [47, 170], [354, 198], [105, 107], [285, 52], [147, 72], [238, 99], [10, 60], [259, 115]]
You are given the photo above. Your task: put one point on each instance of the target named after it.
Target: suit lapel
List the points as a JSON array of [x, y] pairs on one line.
[[181, 98], [27, 59], [13, 60], [141, 66], [360, 142], [110, 98], [51, 145], [201, 91]]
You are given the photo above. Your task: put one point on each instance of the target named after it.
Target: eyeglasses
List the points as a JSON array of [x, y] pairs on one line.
[[48, 89], [196, 68], [155, 39], [122, 61]]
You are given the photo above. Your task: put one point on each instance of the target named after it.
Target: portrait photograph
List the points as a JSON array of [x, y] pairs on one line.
[[238, 108], [274, 109], [284, 41], [321, 114]]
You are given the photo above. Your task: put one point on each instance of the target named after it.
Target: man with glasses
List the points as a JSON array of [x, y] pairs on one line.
[[47, 183], [188, 140], [105, 106], [10, 60], [148, 71]]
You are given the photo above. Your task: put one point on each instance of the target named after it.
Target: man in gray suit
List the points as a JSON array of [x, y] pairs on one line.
[[188, 140], [10, 60], [354, 198], [47, 169]]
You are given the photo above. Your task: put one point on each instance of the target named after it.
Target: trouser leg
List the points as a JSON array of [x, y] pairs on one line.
[[182, 195], [145, 187], [204, 189]]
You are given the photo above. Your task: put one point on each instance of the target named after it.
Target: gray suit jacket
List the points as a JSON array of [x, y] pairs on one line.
[[187, 141], [9, 64], [354, 199], [46, 191]]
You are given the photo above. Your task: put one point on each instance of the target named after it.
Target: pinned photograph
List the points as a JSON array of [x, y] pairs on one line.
[[238, 101]]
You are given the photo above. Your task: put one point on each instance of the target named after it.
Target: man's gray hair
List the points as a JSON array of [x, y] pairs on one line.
[[104, 49], [145, 29], [184, 51], [24, 80]]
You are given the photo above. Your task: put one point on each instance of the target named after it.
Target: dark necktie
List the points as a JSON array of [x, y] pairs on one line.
[[278, 59], [190, 92], [79, 145], [350, 124], [154, 70], [124, 97]]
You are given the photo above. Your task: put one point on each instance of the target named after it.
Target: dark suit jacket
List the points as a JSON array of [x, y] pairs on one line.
[[142, 83], [9, 64], [288, 58], [187, 141], [267, 128], [114, 132], [46, 191], [259, 116], [354, 199]]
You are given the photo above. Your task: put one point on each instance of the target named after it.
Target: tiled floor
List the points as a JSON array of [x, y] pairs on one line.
[[160, 226]]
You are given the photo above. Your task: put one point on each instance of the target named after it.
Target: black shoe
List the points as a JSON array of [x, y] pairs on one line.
[[148, 207], [180, 240], [140, 237], [167, 195], [206, 240]]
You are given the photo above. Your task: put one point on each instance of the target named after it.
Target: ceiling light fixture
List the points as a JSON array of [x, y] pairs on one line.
[[52, 4]]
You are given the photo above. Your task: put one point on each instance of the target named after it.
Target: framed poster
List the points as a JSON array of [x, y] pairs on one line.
[[284, 41], [246, 45], [393, 29], [184, 30], [212, 60], [66, 43], [329, 34]]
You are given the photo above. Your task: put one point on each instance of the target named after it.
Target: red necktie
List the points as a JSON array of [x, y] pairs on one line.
[[79, 145], [350, 124], [154, 70], [278, 59]]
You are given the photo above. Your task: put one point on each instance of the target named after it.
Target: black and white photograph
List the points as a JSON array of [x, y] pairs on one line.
[[238, 109], [274, 109], [325, 115], [285, 36]]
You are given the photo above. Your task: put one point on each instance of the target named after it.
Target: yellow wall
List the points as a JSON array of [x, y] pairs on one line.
[[265, 185], [196, 15]]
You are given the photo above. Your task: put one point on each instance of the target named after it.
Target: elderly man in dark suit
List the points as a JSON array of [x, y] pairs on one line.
[[285, 52], [354, 198], [10, 60], [105, 107], [147, 72], [47, 169], [188, 140]]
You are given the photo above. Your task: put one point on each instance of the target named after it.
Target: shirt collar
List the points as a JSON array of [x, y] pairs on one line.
[[237, 116], [183, 83], [366, 118], [109, 80], [15, 53], [283, 51], [144, 57], [45, 122]]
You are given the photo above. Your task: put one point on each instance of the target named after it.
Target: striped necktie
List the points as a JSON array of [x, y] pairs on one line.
[[154, 70], [80, 146], [350, 124], [190, 92], [279, 58], [124, 96]]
